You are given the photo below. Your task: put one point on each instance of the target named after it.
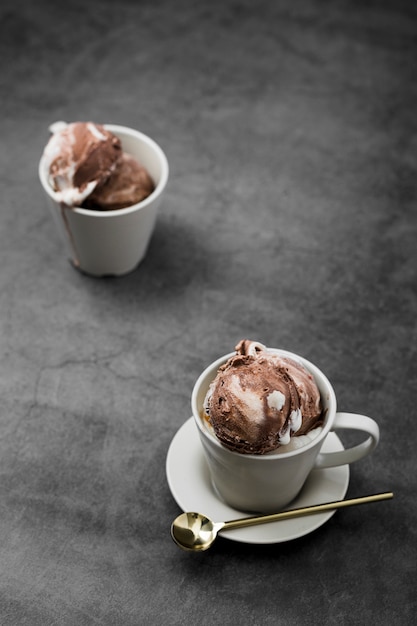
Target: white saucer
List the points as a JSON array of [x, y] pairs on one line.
[[189, 481]]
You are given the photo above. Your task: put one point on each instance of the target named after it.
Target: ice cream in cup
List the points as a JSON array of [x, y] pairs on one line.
[[262, 416], [104, 185]]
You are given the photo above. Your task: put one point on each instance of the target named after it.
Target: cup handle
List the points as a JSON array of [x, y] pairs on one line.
[[350, 421]]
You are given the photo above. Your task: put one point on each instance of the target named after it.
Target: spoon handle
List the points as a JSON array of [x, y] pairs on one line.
[[307, 510]]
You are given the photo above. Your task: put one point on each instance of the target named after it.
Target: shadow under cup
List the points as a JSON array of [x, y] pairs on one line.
[[267, 483]]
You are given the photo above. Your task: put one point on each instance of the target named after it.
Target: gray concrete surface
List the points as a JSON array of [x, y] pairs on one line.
[[290, 218]]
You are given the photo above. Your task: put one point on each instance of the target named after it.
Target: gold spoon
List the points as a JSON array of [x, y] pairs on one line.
[[196, 532]]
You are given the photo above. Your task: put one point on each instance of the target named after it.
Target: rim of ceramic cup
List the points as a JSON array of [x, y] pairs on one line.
[[321, 380], [159, 188]]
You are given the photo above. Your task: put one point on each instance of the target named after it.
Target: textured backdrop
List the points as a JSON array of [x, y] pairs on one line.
[[289, 218]]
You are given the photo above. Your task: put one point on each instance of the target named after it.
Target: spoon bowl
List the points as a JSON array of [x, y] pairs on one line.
[[196, 532]]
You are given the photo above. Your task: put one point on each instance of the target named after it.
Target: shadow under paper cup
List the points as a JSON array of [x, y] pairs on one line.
[[112, 243]]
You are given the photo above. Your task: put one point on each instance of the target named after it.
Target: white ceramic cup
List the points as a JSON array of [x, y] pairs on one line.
[[267, 483], [112, 243]]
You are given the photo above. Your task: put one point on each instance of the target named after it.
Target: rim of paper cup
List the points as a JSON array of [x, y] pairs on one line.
[[115, 128], [312, 369]]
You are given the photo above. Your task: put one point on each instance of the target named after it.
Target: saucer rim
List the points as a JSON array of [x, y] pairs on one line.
[[278, 532]]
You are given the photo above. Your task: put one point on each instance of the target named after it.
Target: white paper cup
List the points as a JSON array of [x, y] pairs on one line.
[[112, 243], [267, 483]]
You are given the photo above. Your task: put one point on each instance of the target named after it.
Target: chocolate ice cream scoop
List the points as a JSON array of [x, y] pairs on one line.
[[80, 157], [260, 399], [128, 184]]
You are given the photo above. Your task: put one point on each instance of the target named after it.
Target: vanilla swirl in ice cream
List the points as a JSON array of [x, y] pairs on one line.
[[260, 399], [80, 156]]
